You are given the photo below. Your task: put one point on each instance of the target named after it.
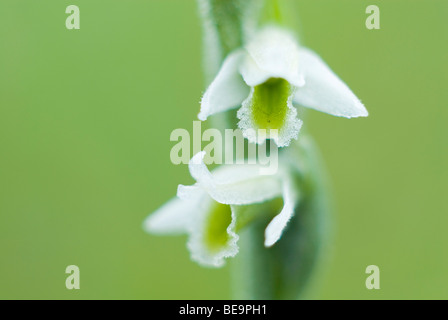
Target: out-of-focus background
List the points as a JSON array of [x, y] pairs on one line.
[[85, 121]]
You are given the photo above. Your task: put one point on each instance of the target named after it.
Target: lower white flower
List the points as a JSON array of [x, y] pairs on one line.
[[213, 209], [270, 74]]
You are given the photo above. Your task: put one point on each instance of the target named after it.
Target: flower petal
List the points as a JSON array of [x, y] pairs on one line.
[[257, 190], [273, 53], [227, 90], [199, 170], [324, 91], [232, 184], [269, 107], [229, 174], [188, 192], [275, 228], [212, 234], [171, 218]]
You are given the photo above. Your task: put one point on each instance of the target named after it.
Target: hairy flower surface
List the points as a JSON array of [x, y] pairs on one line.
[[267, 77], [219, 204]]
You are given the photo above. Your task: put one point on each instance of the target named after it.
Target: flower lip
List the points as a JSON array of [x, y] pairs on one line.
[[269, 107]]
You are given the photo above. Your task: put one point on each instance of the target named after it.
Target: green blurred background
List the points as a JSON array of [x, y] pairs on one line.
[[85, 121]]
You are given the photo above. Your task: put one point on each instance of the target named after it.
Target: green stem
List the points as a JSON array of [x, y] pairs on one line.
[[286, 270], [227, 24]]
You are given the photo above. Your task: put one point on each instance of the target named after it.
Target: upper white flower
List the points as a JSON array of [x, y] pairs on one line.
[[266, 77], [221, 202]]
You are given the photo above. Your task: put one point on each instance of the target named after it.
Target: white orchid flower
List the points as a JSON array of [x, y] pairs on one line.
[[266, 77], [213, 210]]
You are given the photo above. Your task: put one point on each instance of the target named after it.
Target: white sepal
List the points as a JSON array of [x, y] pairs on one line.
[[324, 91], [171, 218], [227, 90], [275, 228]]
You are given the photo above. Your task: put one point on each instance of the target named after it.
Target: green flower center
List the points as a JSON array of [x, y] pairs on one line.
[[269, 103], [219, 219]]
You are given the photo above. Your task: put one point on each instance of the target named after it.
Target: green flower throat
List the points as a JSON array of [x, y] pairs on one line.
[[269, 103]]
